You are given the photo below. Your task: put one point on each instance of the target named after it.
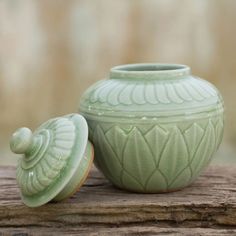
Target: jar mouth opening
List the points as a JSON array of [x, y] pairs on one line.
[[155, 70], [149, 67]]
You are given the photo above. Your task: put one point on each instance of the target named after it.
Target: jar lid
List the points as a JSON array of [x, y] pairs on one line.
[[56, 159]]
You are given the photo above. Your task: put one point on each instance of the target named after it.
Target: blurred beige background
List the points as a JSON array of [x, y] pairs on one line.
[[52, 50]]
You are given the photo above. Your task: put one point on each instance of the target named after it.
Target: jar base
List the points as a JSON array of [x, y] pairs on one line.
[[151, 192]]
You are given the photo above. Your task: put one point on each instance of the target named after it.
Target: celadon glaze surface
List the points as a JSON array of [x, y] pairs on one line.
[[55, 161], [154, 127]]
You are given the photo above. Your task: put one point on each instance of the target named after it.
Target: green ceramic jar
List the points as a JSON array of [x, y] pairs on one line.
[[154, 127]]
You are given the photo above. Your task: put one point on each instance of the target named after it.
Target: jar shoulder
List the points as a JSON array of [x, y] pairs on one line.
[[148, 95]]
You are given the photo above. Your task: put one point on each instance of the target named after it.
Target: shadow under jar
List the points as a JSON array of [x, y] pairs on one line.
[[154, 127]]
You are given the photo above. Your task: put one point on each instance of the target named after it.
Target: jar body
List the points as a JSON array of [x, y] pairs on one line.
[[153, 130]]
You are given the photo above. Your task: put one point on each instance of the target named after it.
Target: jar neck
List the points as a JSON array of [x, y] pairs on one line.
[[149, 71]]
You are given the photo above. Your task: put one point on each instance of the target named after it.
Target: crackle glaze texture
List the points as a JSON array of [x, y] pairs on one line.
[[154, 126]]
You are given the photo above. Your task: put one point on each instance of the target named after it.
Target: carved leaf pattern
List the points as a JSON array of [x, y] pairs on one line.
[[110, 163], [36, 178], [175, 155], [124, 97], [113, 97], [150, 95], [182, 179], [157, 139], [156, 182], [161, 94], [219, 132], [181, 91], [137, 157], [205, 149], [115, 92], [158, 159], [193, 137]]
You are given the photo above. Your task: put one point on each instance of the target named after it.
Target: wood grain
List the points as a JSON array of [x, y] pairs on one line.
[[108, 231], [100, 208]]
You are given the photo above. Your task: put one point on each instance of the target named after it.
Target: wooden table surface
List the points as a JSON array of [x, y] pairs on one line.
[[208, 207]]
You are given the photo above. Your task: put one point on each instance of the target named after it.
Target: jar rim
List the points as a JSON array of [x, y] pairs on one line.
[[149, 70]]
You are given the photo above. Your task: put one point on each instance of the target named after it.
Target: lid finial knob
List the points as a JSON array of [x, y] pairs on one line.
[[21, 140]]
